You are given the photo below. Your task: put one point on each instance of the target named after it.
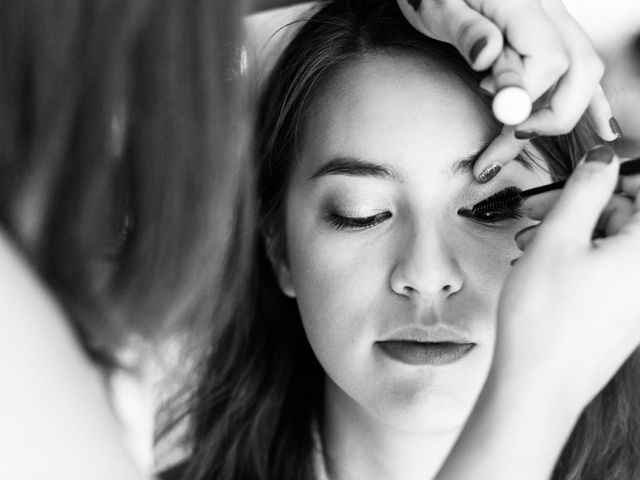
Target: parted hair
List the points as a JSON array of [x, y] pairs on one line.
[[123, 175]]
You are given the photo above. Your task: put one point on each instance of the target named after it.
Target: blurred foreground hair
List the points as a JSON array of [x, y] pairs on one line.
[[122, 173]]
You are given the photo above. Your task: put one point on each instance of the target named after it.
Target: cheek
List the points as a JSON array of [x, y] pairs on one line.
[[485, 256], [337, 287]]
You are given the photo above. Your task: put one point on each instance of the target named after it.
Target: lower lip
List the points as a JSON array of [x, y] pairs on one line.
[[425, 353]]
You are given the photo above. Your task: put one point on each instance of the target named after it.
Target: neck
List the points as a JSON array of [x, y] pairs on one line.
[[358, 445]]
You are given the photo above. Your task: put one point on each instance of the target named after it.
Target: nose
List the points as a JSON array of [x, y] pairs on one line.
[[425, 265]]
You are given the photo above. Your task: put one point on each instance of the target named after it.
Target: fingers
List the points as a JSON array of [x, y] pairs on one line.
[[525, 236], [538, 206], [504, 148], [511, 104], [587, 192], [619, 215], [605, 124], [577, 88], [476, 37], [532, 34], [543, 50], [616, 215]]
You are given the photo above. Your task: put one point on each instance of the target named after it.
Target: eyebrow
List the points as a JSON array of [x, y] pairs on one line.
[[358, 167], [355, 167], [465, 165], [526, 158]]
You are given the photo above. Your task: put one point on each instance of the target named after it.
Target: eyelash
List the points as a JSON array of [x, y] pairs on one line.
[[496, 216], [340, 222]]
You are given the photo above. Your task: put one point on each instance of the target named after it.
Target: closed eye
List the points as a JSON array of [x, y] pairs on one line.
[[494, 216], [490, 216], [340, 222]]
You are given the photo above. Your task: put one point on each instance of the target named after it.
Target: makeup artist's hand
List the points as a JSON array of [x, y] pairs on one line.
[[547, 53], [568, 317], [569, 313]]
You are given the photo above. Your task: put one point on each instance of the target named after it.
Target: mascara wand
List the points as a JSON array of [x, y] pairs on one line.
[[511, 198]]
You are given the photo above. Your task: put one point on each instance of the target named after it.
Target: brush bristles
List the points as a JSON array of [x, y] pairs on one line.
[[505, 200]]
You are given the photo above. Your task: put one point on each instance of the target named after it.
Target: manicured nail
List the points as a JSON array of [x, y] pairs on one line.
[[522, 232], [477, 48], [615, 127], [415, 4], [485, 91], [601, 153], [525, 134], [488, 173]]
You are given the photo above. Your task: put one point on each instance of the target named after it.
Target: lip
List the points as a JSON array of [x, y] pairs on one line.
[[414, 352], [423, 334], [426, 345]]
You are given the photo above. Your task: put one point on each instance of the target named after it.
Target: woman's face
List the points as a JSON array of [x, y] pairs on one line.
[[397, 292]]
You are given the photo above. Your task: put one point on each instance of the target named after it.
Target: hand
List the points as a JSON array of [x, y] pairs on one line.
[[543, 49], [569, 313]]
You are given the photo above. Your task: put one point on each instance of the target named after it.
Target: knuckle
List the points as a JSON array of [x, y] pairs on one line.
[[557, 62], [562, 124], [464, 32], [596, 68]]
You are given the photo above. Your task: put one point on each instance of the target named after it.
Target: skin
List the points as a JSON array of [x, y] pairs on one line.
[[581, 290], [55, 397], [424, 265], [537, 45]]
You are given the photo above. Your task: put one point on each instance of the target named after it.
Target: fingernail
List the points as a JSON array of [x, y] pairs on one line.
[[488, 173], [524, 230], [615, 127], [477, 48], [601, 153], [525, 134], [485, 90]]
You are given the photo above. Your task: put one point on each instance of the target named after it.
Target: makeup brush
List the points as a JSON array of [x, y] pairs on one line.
[[511, 198]]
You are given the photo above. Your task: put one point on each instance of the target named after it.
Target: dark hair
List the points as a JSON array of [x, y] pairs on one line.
[[261, 390], [121, 177]]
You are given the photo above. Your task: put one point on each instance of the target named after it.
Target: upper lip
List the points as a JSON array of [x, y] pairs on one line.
[[435, 334]]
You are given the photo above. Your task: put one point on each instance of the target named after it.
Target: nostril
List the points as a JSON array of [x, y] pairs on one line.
[[408, 290]]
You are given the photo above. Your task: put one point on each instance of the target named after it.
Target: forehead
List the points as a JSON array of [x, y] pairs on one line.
[[388, 107]]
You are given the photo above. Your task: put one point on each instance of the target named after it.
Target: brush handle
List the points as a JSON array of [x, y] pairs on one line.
[[545, 188], [630, 167]]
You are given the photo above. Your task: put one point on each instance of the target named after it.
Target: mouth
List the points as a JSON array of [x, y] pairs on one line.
[[425, 353]]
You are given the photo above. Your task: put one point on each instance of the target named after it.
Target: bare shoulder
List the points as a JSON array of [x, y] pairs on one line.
[[54, 404]]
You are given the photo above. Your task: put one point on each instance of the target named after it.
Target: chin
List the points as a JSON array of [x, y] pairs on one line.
[[432, 409]]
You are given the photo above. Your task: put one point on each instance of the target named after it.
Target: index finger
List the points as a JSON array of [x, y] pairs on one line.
[[504, 148], [532, 34], [587, 191]]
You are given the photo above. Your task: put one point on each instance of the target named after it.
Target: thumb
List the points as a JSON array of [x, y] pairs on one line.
[[477, 38], [585, 195]]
